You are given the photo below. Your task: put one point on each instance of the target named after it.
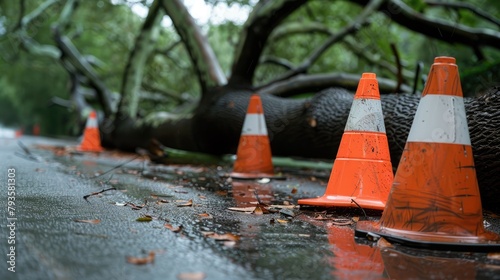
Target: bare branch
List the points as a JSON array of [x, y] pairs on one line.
[[314, 83], [293, 28], [373, 58], [352, 28], [265, 16], [209, 72], [398, 65], [134, 70], [439, 29], [27, 19], [277, 61], [466, 6]]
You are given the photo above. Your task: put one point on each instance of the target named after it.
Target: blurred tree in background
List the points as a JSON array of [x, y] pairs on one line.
[[38, 82]]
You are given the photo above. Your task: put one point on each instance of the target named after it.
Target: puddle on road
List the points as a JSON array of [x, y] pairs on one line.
[[267, 249]]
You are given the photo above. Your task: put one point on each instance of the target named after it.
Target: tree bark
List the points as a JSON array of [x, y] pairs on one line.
[[313, 128]]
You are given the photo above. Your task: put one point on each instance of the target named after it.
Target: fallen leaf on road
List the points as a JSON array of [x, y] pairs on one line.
[[173, 228], [191, 276], [94, 222], [139, 261], [260, 210], [185, 203], [145, 218], [282, 221], [224, 237], [205, 216], [242, 209], [294, 190]]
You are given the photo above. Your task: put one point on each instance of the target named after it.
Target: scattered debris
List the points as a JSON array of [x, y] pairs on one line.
[[242, 209], [97, 193], [205, 215], [140, 261], [94, 222], [172, 228], [144, 218], [221, 237], [184, 203], [191, 276]]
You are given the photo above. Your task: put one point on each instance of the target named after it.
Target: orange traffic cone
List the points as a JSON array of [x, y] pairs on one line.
[[253, 158], [91, 139], [362, 171], [434, 200]]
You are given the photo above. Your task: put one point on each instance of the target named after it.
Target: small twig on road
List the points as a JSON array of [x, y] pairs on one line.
[[96, 193], [118, 166], [27, 153]]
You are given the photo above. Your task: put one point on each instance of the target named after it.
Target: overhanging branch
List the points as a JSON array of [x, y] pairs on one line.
[[314, 83]]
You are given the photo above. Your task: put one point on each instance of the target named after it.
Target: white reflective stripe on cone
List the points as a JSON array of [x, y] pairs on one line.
[[91, 123], [440, 119], [365, 115], [254, 124]]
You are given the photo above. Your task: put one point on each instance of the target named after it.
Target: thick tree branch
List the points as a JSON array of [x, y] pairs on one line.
[[71, 53], [134, 70], [265, 16], [467, 6], [314, 83], [209, 72], [439, 29]]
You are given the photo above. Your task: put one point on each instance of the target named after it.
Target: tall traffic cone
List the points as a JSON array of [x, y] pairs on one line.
[[253, 158], [91, 139], [362, 171], [434, 201]]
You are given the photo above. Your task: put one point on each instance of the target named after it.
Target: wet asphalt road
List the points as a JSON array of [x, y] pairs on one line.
[[202, 240]]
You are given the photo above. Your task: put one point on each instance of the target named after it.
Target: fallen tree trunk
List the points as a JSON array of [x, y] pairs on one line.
[[313, 128]]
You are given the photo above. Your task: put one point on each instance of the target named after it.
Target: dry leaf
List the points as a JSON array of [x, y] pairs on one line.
[[145, 218], [172, 228], [355, 219], [294, 190], [94, 222], [282, 221], [191, 276], [186, 203], [225, 237], [205, 216], [258, 210], [139, 261], [242, 209]]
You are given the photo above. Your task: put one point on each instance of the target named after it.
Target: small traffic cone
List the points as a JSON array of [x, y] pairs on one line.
[[362, 171], [253, 158], [91, 141], [434, 201]]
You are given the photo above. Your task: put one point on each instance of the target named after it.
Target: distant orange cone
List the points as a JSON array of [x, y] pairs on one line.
[[253, 158], [362, 170], [91, 139], [434, 200]]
